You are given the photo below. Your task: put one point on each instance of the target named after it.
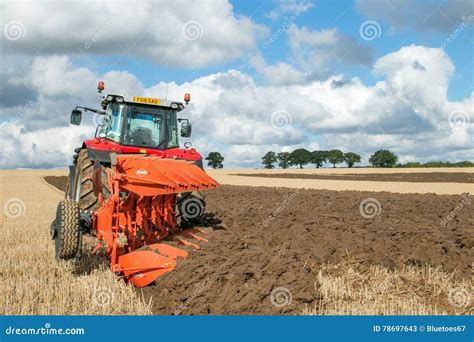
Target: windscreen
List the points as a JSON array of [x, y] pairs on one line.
[[152, 127], [112, 124]]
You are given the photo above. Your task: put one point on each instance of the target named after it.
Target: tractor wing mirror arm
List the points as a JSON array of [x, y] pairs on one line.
[[87, 109]]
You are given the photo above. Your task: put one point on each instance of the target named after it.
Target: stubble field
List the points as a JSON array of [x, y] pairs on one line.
[[277, 245]]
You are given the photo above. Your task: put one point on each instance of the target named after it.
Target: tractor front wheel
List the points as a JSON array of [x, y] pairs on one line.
[[65, 230]]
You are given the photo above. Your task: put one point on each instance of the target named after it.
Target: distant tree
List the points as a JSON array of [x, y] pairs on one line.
[[283, 159], [269, 159], [435, 164], [351, 158], [411, 164], [214, 160], [300, 157], [335, 157], [383, 158], [464, 163], [318, 158]]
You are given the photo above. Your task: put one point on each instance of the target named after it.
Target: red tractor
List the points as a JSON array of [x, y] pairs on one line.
[[131, 185]]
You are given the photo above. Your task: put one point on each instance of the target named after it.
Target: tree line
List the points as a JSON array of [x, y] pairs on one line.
[[464, 163], [301, 157]]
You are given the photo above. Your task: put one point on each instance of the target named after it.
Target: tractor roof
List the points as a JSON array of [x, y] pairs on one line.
[[152, 101]]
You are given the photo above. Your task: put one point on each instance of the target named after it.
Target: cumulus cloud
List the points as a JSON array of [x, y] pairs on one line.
[[51, 147], [419, 76], [179, 34], [428, 15], [279, 73], [314, 56], [408, 111], [320, 49], [289, 7]]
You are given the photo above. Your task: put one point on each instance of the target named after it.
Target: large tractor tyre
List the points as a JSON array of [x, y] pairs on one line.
[[84, 188], [65, 230], [190, 207]]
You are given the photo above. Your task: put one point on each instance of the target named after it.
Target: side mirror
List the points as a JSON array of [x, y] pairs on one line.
[[76, 117], [186, 129]]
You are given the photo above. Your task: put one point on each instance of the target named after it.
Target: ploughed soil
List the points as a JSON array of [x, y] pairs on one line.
[[434, 177], [262, 238]]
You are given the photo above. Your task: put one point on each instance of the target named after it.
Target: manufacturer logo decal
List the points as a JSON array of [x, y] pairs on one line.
[[141, 172]]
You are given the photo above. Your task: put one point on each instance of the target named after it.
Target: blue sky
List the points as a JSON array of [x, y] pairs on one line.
[[322, 83], [340, 14]]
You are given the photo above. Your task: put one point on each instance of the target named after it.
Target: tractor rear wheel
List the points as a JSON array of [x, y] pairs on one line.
[[84, 188], [66, 229]]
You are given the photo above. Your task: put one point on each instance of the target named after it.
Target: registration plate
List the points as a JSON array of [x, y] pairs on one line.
[[147, 100]]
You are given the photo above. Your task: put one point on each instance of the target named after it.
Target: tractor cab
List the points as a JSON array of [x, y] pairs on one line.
[[137, 124], [141, 122], [141, 125]]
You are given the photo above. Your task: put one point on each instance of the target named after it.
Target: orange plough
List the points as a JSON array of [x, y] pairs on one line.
[[140, 213], [130, 184]]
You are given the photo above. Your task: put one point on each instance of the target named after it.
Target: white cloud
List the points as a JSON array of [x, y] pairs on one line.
[[188, 34], [321, 50], [246, 155], [290, 7], [440, 144], [408, 112], [428, 15], [279, 73], [420, 76], [56, 76], [44, 148], [314, 56]]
